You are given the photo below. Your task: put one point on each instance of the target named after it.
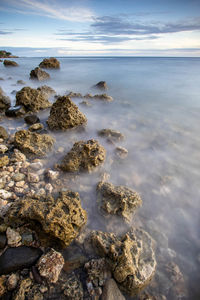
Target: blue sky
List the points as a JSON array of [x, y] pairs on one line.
[[106, 27]]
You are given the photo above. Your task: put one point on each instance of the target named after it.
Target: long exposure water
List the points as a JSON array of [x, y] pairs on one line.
[[157, 107]]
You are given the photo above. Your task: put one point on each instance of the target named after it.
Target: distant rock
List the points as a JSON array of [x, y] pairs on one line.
[[50, 63], [121, 152], [102, 97], [114, 135], [39, 74], [74, 95], [64, 114], [84, 156], [21, 82], [10, 63], [4, 101], [101, 85]]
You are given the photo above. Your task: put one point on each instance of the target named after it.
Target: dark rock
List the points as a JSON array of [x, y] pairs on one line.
[[111, 291], [101, 85], [84, 156], [39, 74], [10, 63], [15, 111], [50, 63], [21, 82], [3, 133], [2, 240], [31, 119], [14, 259], [4, 101], [65, 114]]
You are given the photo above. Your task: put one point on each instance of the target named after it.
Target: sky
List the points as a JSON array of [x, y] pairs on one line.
[[100, 27]]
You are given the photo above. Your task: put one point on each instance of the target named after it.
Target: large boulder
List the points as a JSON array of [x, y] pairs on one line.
[[50, 63], [131, 257], [32, 99], [33, 144], [10, 63], [65, 114], [117, 200], [57, 218], [4, 101], [84, 156], [39, 74]]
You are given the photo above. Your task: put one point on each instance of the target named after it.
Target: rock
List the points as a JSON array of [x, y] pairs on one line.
[[50, 63], [15, 111], [12, 282], [103, 97], [101, 85], [5, 194], [33, 144], [39, 74], [46, 90], [73, 288], [33, 178], [3, 133], [51, 175], [110, 133], [131, 258], [4, 206], [18, 156], [84, 156], [2, 240], [65, 114], [31, 119], [86, 103], [74, 95], [23, 289], [2, 286], [36, 165], [13, 237], [49, 188], [10, 63], [121, 152], [117, 200], [36, 126], [4, 101], [18, 177], [111, 291], [3, 148], [14, 259], [4, 161], [32, 99], [50, 265], [60, 218], [21, 82]]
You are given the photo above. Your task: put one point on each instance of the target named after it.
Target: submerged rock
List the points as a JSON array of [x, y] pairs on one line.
[[32, 99], [110, 133], [21, 82], [10, 63], [84, 156], [33, 144], [31, 119], [121, 152], [39, 74], [46, 90], [101, 85], [103, 97], [15, 111], [65, 114], [58, 218], [3, 133], [117, 200], [4, 101], [50, 63], [131, 258], [74, 95]]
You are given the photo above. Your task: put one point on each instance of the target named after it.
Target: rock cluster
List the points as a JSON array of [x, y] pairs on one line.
[[50, 63], [38, 74]]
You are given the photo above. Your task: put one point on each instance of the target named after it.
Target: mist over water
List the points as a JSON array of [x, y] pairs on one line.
[[157, 107]]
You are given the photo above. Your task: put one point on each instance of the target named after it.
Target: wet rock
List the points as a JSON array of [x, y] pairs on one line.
[[33, 144], [23, 289], [65, 114], [46, 90], [13, 237], [131, 258], [110, 133], [14, 259], [50, 63], [121, 152], [3, 148], [84, 156], [31, 119], [111, 291], [2, 240], [73, 288], [12, 282], [4, 161], [60, 218], [50, 265], [21, 82], [36, 165], [36, 127], [39, 74], [10, 63], [2, 286], [15, 111], [5, 194], [117, 200], [3, 133], [4, 101], [32, 99], [101, 85]]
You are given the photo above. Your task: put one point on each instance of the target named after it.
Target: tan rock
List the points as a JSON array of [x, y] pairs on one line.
[[50, 63], [13, 237]]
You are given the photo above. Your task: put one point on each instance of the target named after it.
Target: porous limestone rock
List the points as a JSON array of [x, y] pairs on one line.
[[4, 101], [84, 155], [117, 200], [10, 63], [65, 114], [33, 144], [32, 99], [39, 74], [58, 218], [50, 63], [131, 257], [4, 161]]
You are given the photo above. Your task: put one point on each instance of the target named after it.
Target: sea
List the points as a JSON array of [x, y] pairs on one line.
[[157, 107]]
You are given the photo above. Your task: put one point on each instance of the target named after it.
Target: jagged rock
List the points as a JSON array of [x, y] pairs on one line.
[[4, 101], [3, 133], [60, 218], [31, 119], [14, 259], [18, 156], [10, 63], [21, 82], [39, 74], [73, 288], [4, 161], [117, 200], [50, 265], [46, 90], [24, 288], [110, 133], [50, 63], [111, 291], [101, 85], [83, 156], [15, 111], [33, 144], [65, 114], [131, 258], [32, 99]]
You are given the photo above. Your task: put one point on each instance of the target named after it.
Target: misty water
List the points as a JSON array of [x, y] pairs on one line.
[[157, 107]]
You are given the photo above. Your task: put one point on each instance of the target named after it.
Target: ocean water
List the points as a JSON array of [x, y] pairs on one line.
[[157, 107]]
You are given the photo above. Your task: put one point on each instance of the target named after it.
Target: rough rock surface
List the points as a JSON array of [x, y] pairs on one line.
[[4, 161], [3, 133], [110, 133], [131, 257], [39, 74], [102, 85], [111, 291], [50, 265], [83, 156], [33, 144], [50, 63], [4, 101], [10, 63], [117, 200], [73, 288], [65, 114], [32, 99], [59, 218], [13, 237]]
